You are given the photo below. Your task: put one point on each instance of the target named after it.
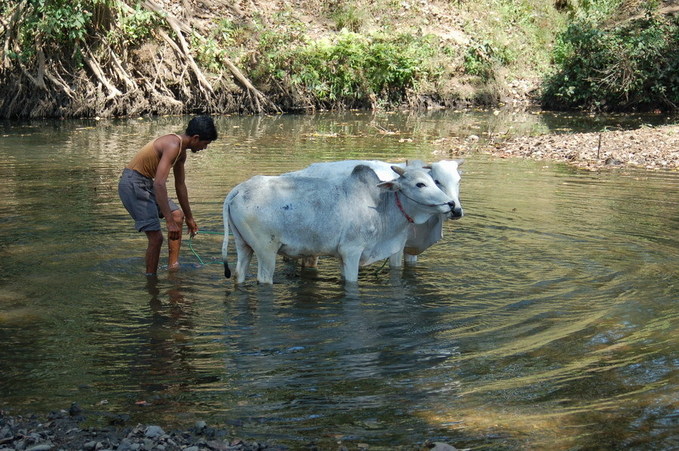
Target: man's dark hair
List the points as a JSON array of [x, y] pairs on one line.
[[204, 127]]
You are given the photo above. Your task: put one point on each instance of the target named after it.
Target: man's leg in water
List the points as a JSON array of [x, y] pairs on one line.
[[174, 246], [155, 238]]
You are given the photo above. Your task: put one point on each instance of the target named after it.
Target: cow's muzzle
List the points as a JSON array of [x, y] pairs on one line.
[[455, 211]]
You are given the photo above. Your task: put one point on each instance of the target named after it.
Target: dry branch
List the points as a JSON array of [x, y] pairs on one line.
[[122, 73], [258, 96], [99, 73], [186, 52], [10, 39], [259, 101], [60, 83], [37, 82]]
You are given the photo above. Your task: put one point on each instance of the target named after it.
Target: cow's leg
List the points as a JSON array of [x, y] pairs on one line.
[[244, 253], [396, 260], [410, 259], [266, 264], [350, 262]]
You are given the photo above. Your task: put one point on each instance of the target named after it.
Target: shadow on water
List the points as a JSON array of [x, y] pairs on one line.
[[545, 318]]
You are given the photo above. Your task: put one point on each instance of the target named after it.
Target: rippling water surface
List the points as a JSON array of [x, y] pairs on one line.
[[545, 318]]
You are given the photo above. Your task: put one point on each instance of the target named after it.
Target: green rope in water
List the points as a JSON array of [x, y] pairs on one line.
[[381, 267], [207, 232]]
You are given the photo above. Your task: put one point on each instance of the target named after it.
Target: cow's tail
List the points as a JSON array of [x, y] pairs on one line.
[[225, 243]]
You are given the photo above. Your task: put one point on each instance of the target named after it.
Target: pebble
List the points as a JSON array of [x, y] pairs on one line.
[[154, 432], [41, 447], [438, 446]]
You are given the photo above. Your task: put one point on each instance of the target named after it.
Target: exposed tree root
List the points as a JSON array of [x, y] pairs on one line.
[[115, 82]]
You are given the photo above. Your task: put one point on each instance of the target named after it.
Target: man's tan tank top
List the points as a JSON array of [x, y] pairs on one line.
[[147, 159]]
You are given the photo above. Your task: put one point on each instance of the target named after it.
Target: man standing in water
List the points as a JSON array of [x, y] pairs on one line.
[[143, 189]]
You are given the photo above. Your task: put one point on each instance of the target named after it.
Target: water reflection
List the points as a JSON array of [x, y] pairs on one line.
[[544, 319], [164, 353]]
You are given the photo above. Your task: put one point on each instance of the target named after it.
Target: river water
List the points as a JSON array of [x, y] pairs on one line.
[[545, 318]]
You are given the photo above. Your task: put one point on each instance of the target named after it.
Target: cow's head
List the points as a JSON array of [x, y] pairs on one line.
[[417, 194], [446, 175]]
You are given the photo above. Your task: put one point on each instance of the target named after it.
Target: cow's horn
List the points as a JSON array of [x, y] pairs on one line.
[[399, 170]]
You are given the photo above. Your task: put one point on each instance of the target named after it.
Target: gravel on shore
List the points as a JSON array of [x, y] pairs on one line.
[[66, 430], [655, 148]]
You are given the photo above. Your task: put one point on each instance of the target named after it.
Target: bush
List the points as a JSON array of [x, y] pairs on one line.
[[134, 27], [54, 24], [352, 71], [634, 66], [482, 59]]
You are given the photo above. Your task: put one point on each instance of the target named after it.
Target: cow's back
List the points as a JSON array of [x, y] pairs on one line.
[[340, 169], [303, 216]]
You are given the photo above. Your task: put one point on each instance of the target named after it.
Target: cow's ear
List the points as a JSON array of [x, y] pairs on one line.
[[389, 186], [460, 161]]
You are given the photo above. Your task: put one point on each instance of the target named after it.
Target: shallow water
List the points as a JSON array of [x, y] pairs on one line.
[[545, 318]]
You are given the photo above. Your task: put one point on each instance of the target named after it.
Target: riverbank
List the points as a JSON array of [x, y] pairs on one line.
[[655, 148], [66, 430], [127, 59]]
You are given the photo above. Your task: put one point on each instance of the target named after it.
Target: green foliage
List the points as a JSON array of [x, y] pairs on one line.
[[632, 66], [510, 38], [481, 59], [208, 53], [597, 11], [348, 16], [275, 46], [354, 69], [133, 27], [62, 21], [228, 33], [65, 25]]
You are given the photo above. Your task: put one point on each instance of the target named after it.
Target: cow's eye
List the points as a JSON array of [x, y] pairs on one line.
[[421, 185], [437, 182]]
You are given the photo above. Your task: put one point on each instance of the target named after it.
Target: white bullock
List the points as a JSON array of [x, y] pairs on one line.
[[358, 218], [446, 175]]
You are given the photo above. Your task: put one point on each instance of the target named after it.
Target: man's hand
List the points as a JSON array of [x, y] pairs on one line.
[[193, 227], [174, 230]]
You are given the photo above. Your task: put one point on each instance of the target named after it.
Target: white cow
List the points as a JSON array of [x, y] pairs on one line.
[[357, 218], [446, 175]]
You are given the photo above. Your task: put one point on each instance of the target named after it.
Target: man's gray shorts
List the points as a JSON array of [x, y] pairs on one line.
[[136, 192]]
